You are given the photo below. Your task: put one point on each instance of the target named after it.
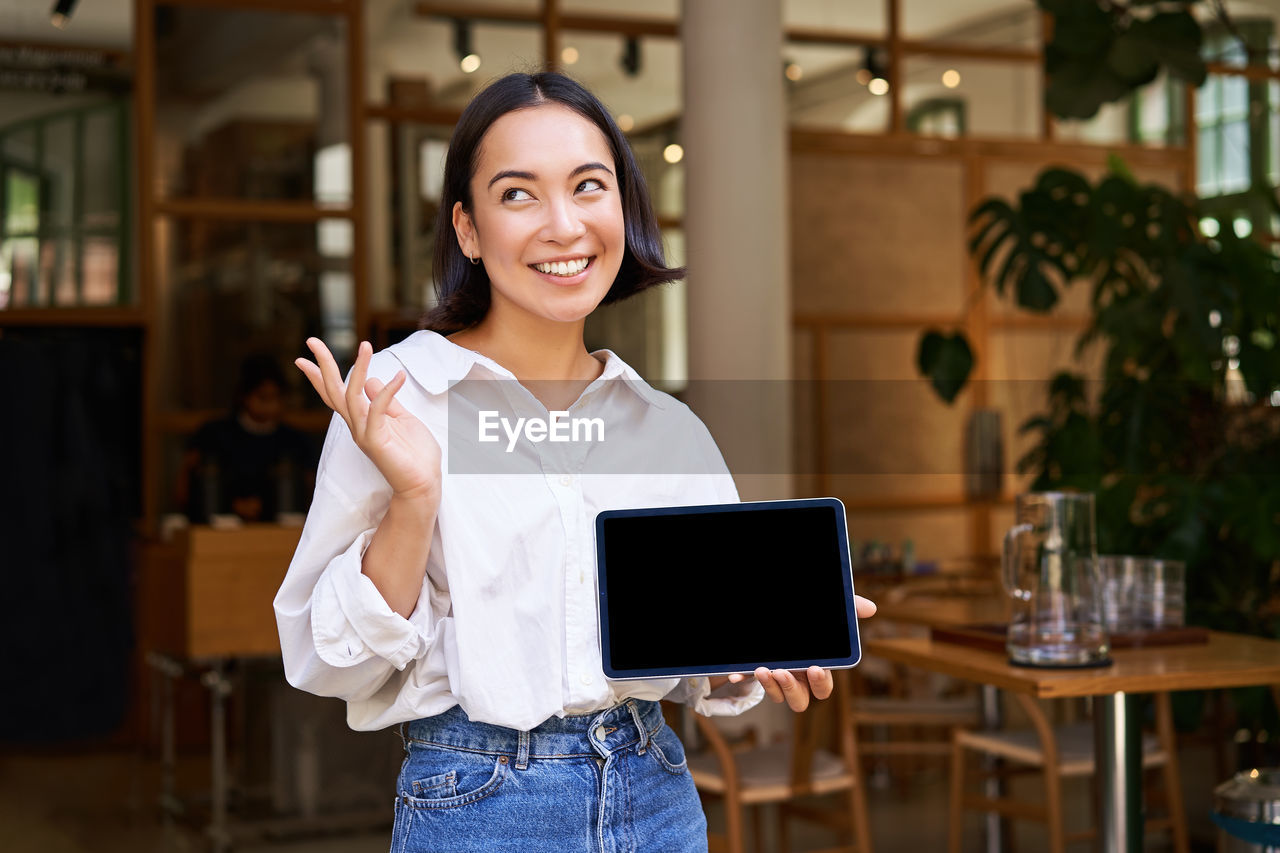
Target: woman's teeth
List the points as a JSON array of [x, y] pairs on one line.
[[565, 268]]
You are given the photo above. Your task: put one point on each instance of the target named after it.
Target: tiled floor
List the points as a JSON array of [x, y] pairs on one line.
[[104, 802]]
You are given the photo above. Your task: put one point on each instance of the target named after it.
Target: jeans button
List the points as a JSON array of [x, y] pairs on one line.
[[601, 733]]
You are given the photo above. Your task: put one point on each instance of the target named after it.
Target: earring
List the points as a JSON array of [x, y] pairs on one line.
[[474, 261]]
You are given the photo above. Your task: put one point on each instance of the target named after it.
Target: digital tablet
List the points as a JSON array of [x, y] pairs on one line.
[[715, 589]]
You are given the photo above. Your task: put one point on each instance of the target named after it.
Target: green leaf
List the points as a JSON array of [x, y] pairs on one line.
[[1035, 291], [946, 360], [1176, 38], [1080, 88], [1133, 57], [1117, 166]]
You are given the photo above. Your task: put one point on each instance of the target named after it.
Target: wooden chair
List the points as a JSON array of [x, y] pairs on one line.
[[913, 721], [788, 773], [911, 731], [1060, 752]]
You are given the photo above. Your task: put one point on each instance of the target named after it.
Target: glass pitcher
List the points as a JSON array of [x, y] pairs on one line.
[[1051, 571]]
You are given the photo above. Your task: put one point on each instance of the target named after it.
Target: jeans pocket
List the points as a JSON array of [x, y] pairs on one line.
[[439, 778], [669, 751]]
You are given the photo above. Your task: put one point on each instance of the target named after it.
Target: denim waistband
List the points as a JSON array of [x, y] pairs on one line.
[[599, 734]]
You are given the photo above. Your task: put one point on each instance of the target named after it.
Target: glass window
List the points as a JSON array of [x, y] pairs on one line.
[[62, 187]]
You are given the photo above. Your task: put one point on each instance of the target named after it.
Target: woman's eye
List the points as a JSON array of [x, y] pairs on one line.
[[515, 194], [590, 184]]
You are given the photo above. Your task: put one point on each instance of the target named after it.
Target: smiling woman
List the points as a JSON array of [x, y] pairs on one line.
[[464, 606]]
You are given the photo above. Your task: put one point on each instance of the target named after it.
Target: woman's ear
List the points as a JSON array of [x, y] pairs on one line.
[[465, 230]]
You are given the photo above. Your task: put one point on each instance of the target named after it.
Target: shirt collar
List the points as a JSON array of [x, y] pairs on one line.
[[435, 363]]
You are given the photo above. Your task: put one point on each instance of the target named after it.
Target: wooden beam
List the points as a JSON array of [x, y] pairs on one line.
[[1255, 73], [108, 316], [1019, 150], [250, 210], [551, 34], [953, 50], [821, 437], [357, 127], [1045, 322], [874, 321], [814, 35], [144, 112], [897, 68], [307, 7], [115, 59], [916, 503]]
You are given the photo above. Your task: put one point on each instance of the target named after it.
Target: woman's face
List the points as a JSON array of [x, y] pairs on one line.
[[546, 214]]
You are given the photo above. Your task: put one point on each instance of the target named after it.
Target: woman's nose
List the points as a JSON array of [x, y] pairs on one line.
[[564, 222]]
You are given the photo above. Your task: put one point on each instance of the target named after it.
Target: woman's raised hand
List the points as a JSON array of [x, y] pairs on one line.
[[400, 445]]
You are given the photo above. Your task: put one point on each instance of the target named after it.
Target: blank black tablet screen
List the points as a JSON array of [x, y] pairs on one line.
[[726, 588]]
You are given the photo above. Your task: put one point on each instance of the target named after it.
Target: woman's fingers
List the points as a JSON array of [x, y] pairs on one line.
[[357, 405], [866, 607], [331, 377], [382, 397], [781, 686], [312, 372], [820, 681], [795, 688]]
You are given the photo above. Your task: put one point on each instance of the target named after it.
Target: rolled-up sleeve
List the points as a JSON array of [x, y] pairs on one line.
[[351, 622], [338, 635], [727, 700]]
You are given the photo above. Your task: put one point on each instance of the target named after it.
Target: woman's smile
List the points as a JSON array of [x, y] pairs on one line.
[[564, 271]]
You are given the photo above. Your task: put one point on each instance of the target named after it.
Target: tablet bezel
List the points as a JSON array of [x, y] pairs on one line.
[[602, 591]]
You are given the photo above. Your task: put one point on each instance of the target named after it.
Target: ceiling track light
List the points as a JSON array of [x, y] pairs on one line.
[[60, 14], [464, 47], [875, 65], [630, 60]]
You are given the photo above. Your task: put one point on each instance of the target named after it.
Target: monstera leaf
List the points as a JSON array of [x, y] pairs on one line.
[[1032, 251], [946, 360], [1101, 52]]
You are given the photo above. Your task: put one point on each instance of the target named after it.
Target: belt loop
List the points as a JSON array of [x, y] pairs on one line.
[[404, 741], [522, 752], [644, 733]]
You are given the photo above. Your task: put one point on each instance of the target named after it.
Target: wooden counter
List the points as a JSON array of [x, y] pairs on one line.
[[208, 593]]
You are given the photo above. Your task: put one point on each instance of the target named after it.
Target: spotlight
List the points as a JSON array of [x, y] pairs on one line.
[[630, 60], [468, 59], [877, 77], [951, 78], [793, 71], [673, 153], [626, 123], [60, 14], [569, 55]]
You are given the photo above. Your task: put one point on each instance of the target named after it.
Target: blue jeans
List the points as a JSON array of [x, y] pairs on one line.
[[607, 782]]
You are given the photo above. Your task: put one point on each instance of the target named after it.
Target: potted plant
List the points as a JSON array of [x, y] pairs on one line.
[[1179, 437]]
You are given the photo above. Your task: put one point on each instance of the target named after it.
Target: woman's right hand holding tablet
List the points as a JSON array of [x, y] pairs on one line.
[[400, 445]]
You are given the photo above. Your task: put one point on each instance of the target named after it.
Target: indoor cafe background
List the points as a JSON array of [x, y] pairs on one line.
[[179, 192]]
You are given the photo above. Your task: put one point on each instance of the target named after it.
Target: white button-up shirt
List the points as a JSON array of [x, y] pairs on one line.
[[505, 625]]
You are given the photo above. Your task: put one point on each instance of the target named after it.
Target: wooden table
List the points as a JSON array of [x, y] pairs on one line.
[[1227, 660], [206, 599]]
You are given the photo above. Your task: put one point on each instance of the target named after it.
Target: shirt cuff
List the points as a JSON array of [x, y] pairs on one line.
[[351, 622], [727, 700]]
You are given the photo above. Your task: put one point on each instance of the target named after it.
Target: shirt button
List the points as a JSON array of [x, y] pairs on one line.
[[566, 480], [586, 678], [601, 733]]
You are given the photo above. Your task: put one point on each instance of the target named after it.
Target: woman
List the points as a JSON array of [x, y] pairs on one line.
[[461, 602]]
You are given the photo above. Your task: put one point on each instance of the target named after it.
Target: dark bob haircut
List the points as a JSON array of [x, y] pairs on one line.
[[462, 288]]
